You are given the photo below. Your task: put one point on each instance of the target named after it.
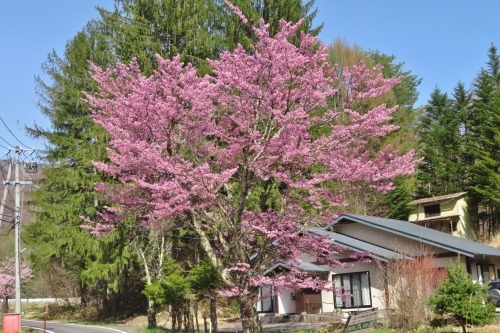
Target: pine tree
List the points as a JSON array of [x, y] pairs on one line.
[[67, 190], [440, 171], [483, 146], [460, 296]]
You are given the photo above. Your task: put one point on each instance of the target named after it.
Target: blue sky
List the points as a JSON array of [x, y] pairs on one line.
[[441, 41]]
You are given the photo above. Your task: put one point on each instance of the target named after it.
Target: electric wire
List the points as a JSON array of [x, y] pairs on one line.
[[9, 144], [7, 153], [15, 137], [8, 232]]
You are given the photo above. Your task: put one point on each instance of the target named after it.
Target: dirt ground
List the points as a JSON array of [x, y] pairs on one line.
[[225, 326]]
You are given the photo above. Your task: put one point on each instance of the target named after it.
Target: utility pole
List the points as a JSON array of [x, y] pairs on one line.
[[17, 227], [17, 224]]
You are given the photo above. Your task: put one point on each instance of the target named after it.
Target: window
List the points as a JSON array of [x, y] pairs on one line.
[[432, 210], [357, 288], [266, 303], [485, 273]]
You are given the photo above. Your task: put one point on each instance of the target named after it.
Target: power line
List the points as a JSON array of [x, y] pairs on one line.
[[8, 214], [9, 144], [8, 232], [6, 221], [15, 137], [7, 153]]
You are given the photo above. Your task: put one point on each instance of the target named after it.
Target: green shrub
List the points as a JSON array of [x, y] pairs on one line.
[[461, 300]]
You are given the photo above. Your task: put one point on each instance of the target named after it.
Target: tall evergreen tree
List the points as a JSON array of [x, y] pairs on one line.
[[440, 141], [483, 146], [67, 190]]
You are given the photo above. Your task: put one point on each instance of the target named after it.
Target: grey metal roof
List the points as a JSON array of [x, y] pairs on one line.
[[303, 266], [358, 245], [310, 267], [422, 234]]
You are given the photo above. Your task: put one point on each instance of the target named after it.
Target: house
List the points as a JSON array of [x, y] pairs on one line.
[[383, 240], [447, 213]]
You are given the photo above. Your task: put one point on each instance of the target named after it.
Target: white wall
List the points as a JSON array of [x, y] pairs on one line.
[[387, 240], [286, 303]]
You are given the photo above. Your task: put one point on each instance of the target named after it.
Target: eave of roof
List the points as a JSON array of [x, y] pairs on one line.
[[437, 218], [438, 198], [422, 234], [303, 266], [359, 246]]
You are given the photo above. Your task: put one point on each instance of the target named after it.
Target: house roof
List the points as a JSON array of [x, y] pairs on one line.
[[303, 266], [359, 246], [438, 198], [422, 234]]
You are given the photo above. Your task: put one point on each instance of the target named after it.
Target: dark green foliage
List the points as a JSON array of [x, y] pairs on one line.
[[483, 145], [66, 192], [461, 298], [398, 200], [197, 30], [441, 171], [405, 94], [142, 29], [172, 289], [205, 280]]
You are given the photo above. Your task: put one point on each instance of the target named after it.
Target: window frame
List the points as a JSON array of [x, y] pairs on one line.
[[343, 300]]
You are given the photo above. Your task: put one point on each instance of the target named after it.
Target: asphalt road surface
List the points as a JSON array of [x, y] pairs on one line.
[[53, 327]]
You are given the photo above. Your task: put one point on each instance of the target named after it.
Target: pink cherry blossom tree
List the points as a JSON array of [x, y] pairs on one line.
[[245, 157], [8, 280]]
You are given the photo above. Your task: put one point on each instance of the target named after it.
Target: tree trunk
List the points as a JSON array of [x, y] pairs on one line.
[[250, 318], [5, 305], [213, 314], [205, 324], [83, 295], [151, 315], [195, 308], [464, 329], [174, 320]]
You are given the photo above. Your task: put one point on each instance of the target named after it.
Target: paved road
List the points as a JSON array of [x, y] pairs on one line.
[[53, 327]]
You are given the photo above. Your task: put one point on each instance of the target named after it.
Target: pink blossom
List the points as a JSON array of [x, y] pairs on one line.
[[243, 156], [7, 276]]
